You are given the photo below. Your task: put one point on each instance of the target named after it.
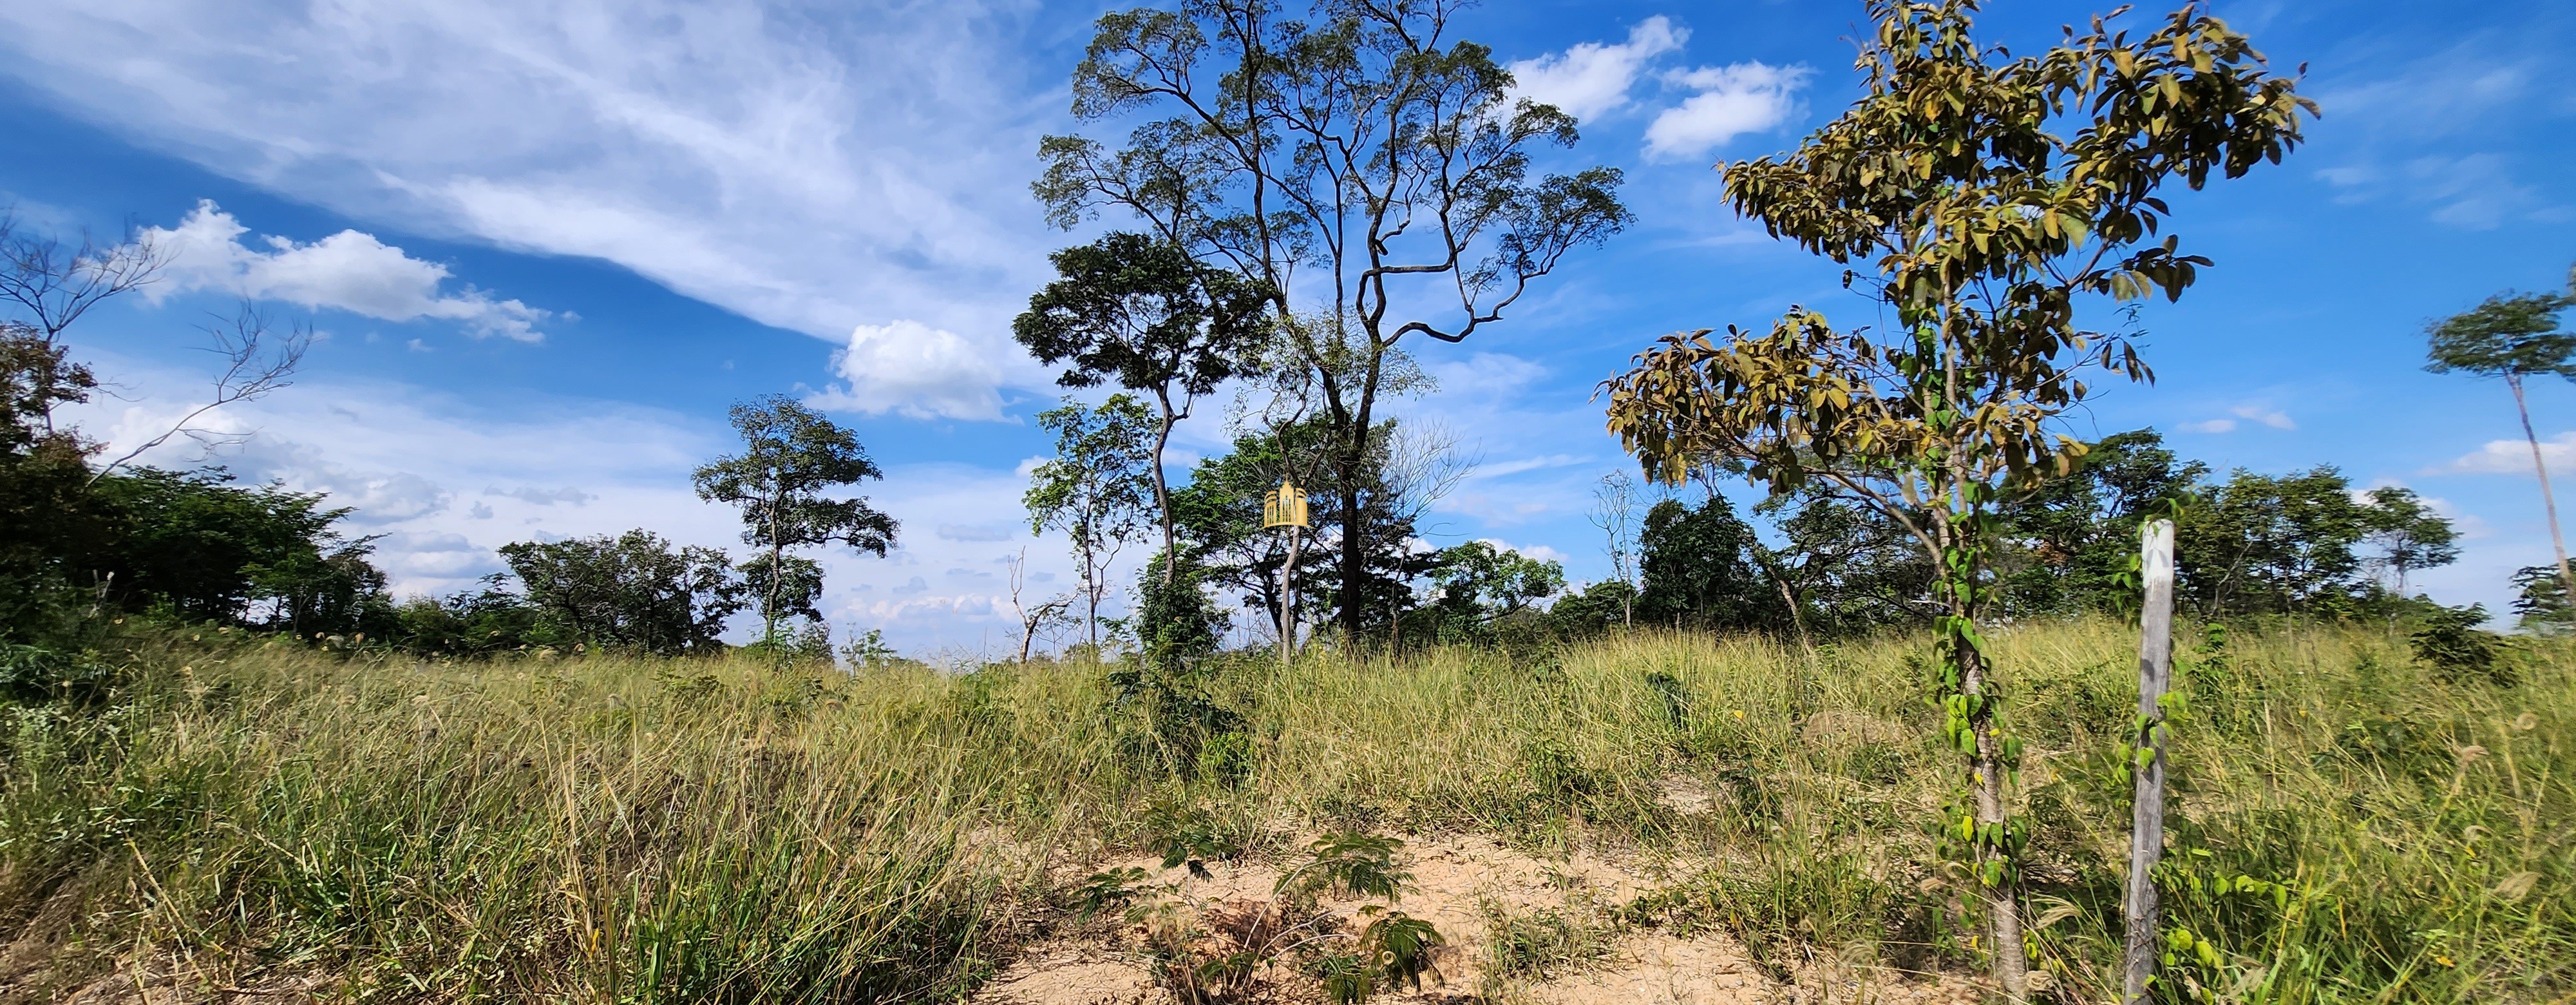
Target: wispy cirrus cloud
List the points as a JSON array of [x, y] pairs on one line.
[[808, 171]]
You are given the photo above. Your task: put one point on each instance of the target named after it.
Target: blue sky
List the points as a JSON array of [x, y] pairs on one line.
[[546, 244]]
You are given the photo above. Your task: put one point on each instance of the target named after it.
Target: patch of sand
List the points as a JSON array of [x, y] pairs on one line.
[[1453, 877]]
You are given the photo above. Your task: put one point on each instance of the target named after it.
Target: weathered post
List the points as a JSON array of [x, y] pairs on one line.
[[2147, 821]]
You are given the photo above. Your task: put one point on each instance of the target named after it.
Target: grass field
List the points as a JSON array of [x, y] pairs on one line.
[[244, 814]]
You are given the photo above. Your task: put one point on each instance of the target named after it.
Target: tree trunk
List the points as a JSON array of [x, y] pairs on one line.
[[2548, 501], [1353, 554], [1162, 490], [2012, 966], [2147, 813], [1288, 599]]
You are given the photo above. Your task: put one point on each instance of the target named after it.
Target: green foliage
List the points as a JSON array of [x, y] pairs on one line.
[[2449, 641], [632, 591], [2508, 335], [1098, 487], [792, 457], [1142, 312], [1475, 584], [1361, 146], [1545, 942], [1701, 570], [1187, 832], [1176, 621], [2540, 601], [1357, 864], [1991, 193]]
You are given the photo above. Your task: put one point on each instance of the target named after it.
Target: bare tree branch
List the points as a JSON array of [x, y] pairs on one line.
[[256, 361]]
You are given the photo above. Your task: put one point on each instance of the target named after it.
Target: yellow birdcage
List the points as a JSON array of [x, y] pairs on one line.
[[1284, 508]]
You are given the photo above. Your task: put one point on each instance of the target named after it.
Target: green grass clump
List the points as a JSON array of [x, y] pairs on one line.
[[2351, 823]]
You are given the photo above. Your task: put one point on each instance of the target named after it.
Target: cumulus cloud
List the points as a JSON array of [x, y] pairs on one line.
[[1593, 78], [1730, 101], [986, 532], [2513, 457], [349, 271], [913, 369]]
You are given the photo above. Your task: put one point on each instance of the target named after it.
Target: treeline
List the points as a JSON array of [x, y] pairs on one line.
[[1817, 567]]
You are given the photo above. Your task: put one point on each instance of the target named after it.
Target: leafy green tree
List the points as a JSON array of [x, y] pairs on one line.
[[1595, 609], [2540, 601], [1218, 514], [1476, 584], [1988, 193], [2068, 545], [1699, 569], [2514, 336], [1361, 145], [1096, 489], [2407, 534], [1845, 569], [1176, 621], [313, 593], [2259, 544], [47, 517], [479, 622], [1142, 312], [633, 591], [791, 457], [196, 543]]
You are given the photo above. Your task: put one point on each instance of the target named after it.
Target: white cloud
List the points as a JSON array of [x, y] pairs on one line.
[[2264, 415], [810, 168], [2513, 457], [349, 271], [916, 370], [2272, 417], [1524, 464], [1593, 78], [1540, 552], [1731, 101], [544, 497]]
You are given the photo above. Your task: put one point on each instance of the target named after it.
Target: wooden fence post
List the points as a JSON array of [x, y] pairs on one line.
[[2147, 821]]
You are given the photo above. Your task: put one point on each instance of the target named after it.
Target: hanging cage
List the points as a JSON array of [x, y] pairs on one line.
[[1284, 508]]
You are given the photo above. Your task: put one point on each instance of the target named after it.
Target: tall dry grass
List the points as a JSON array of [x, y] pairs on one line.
[[638, 830]]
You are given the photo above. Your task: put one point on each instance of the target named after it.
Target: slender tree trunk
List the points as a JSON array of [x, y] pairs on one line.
[[1163, 491], [1288, 599], [777, 574], [2548, 501], [2147, 808], [1353, 553], [2012, 966]]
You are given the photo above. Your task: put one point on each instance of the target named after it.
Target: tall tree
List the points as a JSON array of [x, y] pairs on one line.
[[1699, 569], [1362, 142], [791, 458], [2514, 336], [1141, 311], [2407, 533], [1987, 192], [1095, 489]]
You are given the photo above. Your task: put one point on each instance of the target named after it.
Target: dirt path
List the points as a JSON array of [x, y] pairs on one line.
[[1459, 883]]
